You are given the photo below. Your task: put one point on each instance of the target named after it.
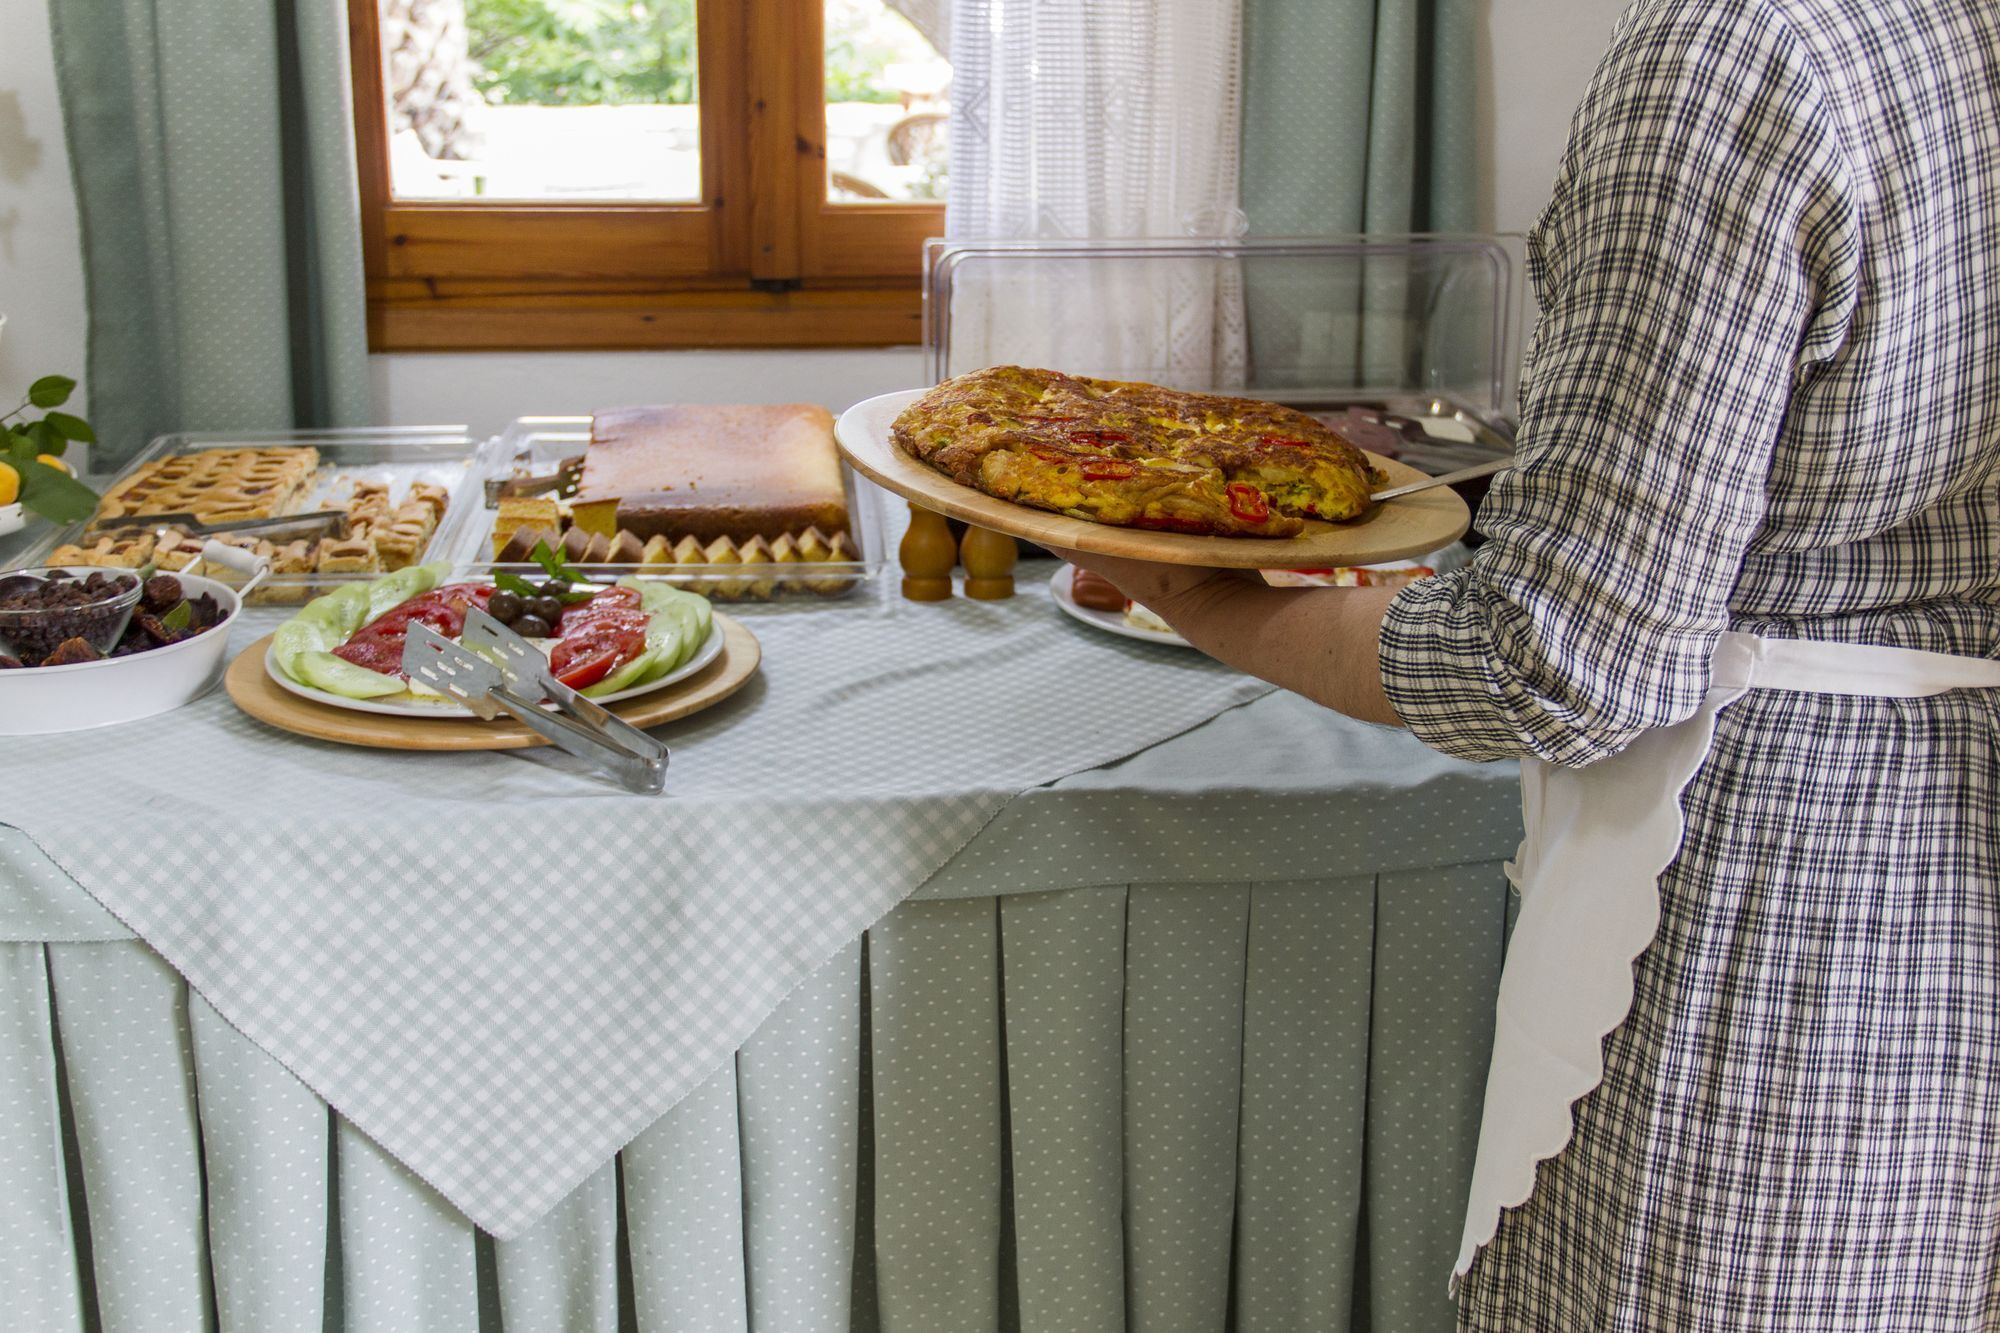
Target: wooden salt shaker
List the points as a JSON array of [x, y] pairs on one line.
[[988, 557], [927, 555]]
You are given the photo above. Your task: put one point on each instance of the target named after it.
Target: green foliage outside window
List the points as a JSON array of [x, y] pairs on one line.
[[623, 52], [582, 52]]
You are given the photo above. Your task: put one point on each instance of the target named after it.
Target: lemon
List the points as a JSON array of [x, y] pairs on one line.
[[10, 484], [55, 462]]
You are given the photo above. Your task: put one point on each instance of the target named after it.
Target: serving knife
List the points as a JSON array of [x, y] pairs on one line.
[[1485, 469]]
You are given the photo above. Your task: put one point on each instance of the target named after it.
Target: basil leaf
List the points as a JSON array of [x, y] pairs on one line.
[[514, 583], [180, 616]]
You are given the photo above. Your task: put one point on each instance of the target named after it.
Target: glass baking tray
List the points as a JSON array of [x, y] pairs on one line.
[[393, 455], [539, 445]]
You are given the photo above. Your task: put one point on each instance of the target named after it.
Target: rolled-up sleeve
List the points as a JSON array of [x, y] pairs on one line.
[[1698, 256]]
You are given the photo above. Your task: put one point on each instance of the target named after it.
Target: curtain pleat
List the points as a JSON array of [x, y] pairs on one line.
[[798, 1082], [935, 1001], [561, 1275], [406, 1256], [38, 1258], [127, 1054], [1224, 1106], [684, 1214], [1064, 961], [1184, 959], [264, 1163], [1308, 978], [1437, 957]]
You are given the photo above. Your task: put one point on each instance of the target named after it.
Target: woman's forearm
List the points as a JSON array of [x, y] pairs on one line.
[[1318, 642]]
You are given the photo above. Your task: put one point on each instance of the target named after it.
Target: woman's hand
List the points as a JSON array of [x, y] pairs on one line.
[[1165, 590], [1319, 642]]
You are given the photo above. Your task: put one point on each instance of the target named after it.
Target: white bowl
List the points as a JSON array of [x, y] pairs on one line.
[[12, 518], [35, 701]]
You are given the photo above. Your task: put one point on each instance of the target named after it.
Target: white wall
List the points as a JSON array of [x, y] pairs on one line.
[[1538, 59], [486, 390], [41, 258], [1538, 54]]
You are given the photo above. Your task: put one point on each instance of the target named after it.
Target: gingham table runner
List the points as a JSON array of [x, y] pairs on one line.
[[501, 968]]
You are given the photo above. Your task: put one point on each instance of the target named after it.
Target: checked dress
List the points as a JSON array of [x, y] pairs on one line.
[[1764, 395]]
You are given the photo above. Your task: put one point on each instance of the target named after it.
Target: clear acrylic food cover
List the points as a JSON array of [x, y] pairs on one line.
[[1315, 321]]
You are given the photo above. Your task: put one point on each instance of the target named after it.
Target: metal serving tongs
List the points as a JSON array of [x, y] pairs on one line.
[[515, 678]]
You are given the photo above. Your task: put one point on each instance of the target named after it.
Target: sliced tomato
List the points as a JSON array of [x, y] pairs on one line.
[[1248, 503], [621, 633], [378, 645], [589, 670]]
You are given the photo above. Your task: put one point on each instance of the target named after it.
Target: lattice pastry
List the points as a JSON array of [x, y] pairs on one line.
[[349, 555], [218, 485], [403, 537], [128, 551]]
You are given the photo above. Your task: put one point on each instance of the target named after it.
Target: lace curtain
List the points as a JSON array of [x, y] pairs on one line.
[[1099, 119]]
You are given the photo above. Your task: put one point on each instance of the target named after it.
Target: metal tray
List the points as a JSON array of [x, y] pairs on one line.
[[395, 455], [540, 444]]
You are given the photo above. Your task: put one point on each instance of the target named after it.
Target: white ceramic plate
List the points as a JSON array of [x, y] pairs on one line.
[[411, 705], [39, 700], [1112, 622]]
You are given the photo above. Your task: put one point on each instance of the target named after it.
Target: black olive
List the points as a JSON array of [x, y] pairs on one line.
[[548, 608], [532, 626], [555, 588], [505, 606]]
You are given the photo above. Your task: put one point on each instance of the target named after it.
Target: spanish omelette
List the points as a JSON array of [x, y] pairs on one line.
[[1136, 455]]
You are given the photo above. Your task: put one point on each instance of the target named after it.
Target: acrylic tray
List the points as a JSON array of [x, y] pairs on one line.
[[396, 456], [540, 444]]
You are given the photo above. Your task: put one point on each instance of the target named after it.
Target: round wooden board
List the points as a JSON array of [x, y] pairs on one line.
[[258, 695], [1412, 525]]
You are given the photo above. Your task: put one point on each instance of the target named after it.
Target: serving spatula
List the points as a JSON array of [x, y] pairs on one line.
[[638, 761], [528, 674]]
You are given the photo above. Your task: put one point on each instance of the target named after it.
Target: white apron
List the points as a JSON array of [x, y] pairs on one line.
[[1597, 840]]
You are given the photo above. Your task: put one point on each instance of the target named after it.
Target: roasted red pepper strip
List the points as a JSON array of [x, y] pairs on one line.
[[1109, 469], [1090, 436], [1248, 503], [1285, 441]]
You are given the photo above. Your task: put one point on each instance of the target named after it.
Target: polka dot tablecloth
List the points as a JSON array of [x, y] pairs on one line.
[[1192, 1037]]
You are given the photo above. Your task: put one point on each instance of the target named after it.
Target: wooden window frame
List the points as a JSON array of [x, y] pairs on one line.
[[764, 259]]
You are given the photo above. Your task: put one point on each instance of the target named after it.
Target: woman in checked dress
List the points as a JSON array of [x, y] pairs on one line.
[[1762, 406]]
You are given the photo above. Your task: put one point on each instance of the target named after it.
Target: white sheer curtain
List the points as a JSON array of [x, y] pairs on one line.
[[1099, 119]]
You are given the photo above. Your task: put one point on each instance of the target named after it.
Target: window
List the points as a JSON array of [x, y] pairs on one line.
[[647, 173]]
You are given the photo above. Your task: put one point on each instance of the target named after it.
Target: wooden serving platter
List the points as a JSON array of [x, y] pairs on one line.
[[258, 695], [1396, 529]]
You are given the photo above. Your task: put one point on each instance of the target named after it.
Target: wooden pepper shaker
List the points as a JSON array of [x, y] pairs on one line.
[[927, 555], [988, 557]]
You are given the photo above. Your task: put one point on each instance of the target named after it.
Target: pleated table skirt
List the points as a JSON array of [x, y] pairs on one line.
[[1158, 1108]]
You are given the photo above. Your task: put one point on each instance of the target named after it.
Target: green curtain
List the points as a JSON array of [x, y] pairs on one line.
[[1358, 117], [212, 146]]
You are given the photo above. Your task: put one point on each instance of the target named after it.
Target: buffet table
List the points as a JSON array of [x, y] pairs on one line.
[[1193, 1037]]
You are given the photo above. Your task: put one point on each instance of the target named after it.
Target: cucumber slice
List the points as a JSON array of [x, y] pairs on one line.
[[335, 675]]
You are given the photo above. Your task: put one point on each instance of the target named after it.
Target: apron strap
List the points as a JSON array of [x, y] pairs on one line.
[[1744, 661]]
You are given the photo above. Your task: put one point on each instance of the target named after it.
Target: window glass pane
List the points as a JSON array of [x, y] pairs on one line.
[[888, 89], [542, 99]]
